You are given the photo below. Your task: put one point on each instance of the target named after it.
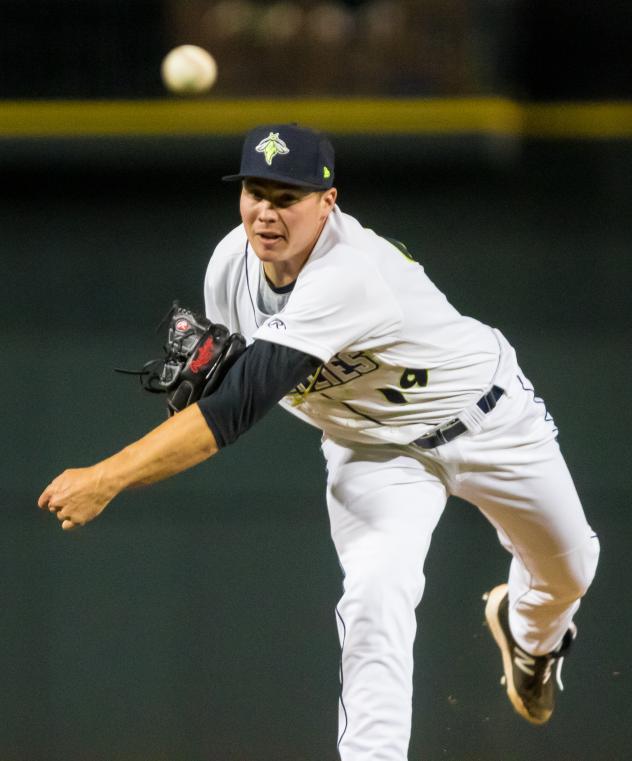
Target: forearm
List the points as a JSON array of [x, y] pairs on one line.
[[179, 443], [79, 495]]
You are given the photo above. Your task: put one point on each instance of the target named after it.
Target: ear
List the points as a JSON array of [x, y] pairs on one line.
[[328, 200]]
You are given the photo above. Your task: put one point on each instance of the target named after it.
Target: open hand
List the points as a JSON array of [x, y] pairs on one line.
[[77, 496]]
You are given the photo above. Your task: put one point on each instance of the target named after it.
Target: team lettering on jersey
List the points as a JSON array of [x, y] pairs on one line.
[[347, 366], [342, 368], [410, 378]]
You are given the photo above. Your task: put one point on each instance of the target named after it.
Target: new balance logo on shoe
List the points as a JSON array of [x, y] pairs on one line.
[[524, 661]]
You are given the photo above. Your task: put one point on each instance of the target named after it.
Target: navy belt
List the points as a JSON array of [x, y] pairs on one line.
[[454, 428]]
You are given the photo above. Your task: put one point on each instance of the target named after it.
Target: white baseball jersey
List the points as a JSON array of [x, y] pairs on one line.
[[397, 357]]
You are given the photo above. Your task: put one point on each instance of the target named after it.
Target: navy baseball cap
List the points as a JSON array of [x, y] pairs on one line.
[[289, 154]]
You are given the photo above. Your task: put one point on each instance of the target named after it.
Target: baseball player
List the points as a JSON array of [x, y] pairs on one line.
[[415, 402]]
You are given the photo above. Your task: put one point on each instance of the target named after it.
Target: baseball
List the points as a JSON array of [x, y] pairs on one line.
[[188, 70]]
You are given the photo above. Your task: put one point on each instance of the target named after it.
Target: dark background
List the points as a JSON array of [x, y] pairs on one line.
[[194, 620], [531, 49]]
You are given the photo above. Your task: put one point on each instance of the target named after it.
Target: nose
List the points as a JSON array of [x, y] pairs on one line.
[[266, 212]]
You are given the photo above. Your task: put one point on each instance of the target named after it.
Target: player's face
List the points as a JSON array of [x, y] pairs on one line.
[[283, 224]]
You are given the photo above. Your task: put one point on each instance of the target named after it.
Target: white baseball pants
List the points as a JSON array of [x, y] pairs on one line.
[[384, 502]]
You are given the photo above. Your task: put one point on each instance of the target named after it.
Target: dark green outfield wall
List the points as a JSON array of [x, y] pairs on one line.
[[194, 620]]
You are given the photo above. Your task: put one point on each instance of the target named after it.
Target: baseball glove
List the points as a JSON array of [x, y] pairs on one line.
[[198, 353]]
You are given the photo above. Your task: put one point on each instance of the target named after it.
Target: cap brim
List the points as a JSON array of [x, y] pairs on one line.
[[277, 178]]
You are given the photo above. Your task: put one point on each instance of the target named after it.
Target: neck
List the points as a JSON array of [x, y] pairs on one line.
[[281, 273]]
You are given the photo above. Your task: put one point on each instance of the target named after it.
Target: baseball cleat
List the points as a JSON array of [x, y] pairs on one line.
[[527, 678]]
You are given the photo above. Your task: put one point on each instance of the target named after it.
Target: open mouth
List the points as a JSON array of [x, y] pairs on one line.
[[270, 237]]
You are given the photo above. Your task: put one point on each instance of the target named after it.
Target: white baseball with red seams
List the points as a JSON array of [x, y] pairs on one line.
[[399, 360]]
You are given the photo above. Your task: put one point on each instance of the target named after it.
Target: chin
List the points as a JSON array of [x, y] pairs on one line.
[[265, 256]]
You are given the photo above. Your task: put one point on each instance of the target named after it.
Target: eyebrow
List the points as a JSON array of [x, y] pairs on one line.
[[278, 192]]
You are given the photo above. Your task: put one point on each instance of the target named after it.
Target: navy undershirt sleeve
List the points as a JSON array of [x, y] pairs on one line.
[[261, 377]]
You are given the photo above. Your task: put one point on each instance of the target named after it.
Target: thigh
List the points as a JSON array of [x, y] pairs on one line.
[[383, 505], [534, 505], [516, 474]]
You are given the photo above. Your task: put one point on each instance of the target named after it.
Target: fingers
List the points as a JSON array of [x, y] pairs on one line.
[[73, 498], [64, 518], [49, 499], [52, 493], [52, 496], [45, 496]]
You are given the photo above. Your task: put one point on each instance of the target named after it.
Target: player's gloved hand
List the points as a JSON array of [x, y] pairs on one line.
[[198, 353]]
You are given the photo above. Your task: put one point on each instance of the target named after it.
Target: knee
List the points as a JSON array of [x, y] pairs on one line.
[[383, 588], [578, 571], [590, 559]]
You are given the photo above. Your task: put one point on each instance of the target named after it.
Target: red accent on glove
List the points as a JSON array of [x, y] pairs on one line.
[[204, 354]]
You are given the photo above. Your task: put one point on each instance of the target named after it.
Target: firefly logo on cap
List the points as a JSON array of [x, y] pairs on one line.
[[271, 146]]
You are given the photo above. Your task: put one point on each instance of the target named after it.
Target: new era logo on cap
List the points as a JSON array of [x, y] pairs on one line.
[[289, 154]]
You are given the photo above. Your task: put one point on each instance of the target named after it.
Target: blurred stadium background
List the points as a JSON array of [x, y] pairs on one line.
[[194, 621], [112, 48]]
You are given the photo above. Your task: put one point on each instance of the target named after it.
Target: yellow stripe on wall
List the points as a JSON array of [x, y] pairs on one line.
[[583, 120], [209, 116]]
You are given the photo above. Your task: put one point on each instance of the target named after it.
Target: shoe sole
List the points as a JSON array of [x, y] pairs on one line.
[[494, 598]]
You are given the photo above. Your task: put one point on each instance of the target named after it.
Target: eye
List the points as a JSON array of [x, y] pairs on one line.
[[287, 199]]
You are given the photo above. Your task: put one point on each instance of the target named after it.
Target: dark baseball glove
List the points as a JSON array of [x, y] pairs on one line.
[[198, 353]]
